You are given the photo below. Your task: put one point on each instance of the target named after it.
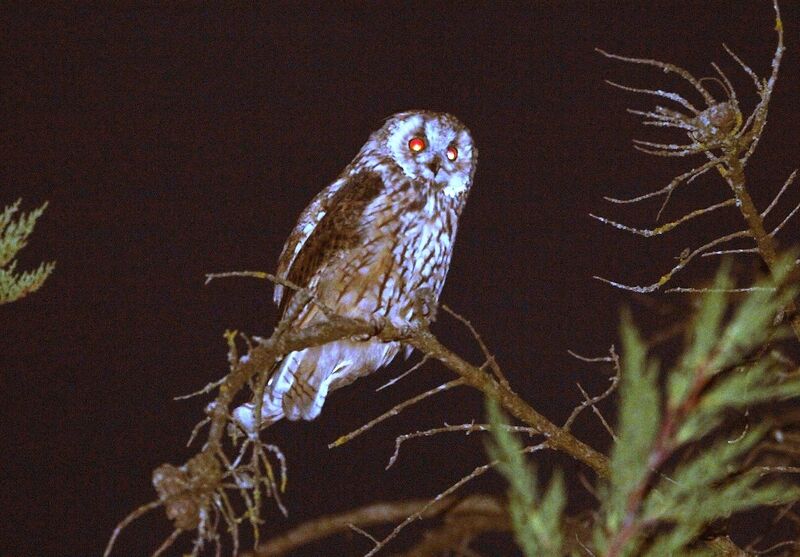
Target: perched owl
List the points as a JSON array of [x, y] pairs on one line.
[[365, 246]]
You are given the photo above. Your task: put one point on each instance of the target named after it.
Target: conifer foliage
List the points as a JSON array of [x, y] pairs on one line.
[[675, 468], [14, 235]]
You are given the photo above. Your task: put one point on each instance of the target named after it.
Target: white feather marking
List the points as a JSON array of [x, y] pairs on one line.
[[456, 185]]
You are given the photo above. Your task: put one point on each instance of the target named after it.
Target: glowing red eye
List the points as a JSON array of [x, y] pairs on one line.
[[452, 153], [416, 145]]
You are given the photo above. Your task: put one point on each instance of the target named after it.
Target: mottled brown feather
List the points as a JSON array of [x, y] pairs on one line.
[[338, 230]]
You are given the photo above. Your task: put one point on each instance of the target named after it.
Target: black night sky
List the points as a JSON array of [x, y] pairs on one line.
[[172, 142]]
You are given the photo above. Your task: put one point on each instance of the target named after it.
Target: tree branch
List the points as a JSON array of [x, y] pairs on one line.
[[323, 527]]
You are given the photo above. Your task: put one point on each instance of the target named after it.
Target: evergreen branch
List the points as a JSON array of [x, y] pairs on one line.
[[13, 237], [535, 515]]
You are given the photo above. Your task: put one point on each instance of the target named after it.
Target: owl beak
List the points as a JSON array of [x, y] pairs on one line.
[[435, 165]]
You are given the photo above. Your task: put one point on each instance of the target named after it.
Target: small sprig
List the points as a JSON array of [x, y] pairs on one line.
[[13, 237]]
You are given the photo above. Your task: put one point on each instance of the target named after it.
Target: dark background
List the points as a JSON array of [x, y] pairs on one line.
[[175, 142]]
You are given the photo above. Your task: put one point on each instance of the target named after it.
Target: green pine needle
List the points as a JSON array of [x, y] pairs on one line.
[[673, 469], [536, 517], [13, 237]]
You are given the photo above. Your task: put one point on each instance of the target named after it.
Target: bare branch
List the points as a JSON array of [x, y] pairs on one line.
[[726, 290], [364, 533], [467, 428], [729, 252], [694, 147], [765, 91], [745, 67], [320, 528], [412, 369], [659, 93], [490, 359], [668, 151], [612, 358], [239, 274], [205, 390], [467, 520], [167, 543], [685, 177], [784, 221], [395, 411], [480, 470], [136, 513], [681, 264], [667, 68], [647, 233], [589, 359], [727, 85], [786, 184], [593, 403]]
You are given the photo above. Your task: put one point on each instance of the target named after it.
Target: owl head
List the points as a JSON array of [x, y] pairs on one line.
[[433, 147]]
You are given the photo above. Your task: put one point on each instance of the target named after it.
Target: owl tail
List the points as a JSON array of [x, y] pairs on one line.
[[301, 382], [297, 390]]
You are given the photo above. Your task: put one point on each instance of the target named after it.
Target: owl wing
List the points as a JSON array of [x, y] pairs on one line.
[[306, 223], [331, 223]]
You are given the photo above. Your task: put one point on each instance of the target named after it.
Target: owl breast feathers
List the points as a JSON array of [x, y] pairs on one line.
[[366, 244]]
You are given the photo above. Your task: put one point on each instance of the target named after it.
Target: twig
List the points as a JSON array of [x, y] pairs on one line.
[[784, 221], [593, 403], [612, 358], [685, 177], [480, 470], [207, 389], [765, 91], [729, 252], [647, 233], [486, 354], [197, 429], [395, 411], [467, 520], [140, 511], [745, 67], [726, 290], [558, 439], [167, 543], [364, 533], [781, 469], [658, 93], [681, 264], [590, 359], [468, 428], [774, 202], [667, 68], [412, 369]]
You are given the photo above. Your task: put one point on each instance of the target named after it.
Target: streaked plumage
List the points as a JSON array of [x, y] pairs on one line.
[[365, 246]]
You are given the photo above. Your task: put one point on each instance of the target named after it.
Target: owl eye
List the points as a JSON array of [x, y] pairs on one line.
[[452, 153], [416, 144]]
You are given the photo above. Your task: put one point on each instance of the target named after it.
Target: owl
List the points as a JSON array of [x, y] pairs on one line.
[[365, 247]]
